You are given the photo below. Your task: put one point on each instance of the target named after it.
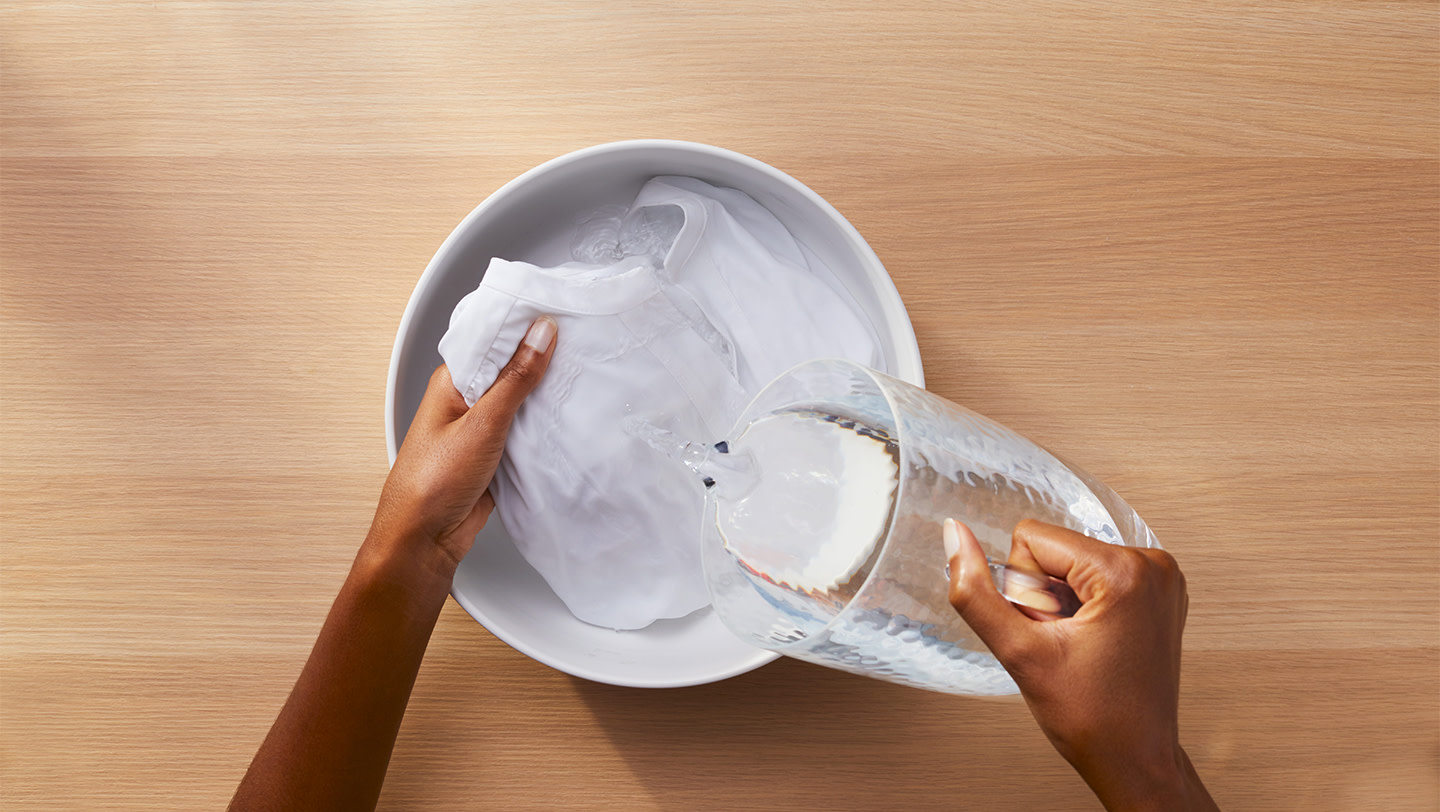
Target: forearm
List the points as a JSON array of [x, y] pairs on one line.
[[331, 744]]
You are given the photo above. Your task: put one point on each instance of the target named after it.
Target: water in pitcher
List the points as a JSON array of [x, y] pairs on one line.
[[807, 531], [801, 505], [806, 536], [802, 500]]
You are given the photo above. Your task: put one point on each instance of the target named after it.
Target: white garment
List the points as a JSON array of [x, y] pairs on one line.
[[777, 302], [610, 523]]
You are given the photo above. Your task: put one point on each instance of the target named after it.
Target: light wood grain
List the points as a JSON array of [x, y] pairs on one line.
[[1195, 248]]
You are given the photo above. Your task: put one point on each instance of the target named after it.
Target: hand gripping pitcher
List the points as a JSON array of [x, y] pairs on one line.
[[823, 515]]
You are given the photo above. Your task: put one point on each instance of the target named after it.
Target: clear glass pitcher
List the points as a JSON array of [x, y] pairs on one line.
[[822, 525]]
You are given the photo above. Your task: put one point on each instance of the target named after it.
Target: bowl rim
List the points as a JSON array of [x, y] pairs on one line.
[[907, 352]]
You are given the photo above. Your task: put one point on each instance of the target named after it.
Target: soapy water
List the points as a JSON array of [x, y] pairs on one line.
[[612, 233]]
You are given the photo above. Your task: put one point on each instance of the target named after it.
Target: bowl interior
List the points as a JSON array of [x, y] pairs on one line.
[[533, 219]]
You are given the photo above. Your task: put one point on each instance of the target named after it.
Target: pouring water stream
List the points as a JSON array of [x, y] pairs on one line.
[[731, 476]]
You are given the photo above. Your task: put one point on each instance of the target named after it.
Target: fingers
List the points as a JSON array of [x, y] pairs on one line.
[[1057, 550], [1030, 591], [973, 593], [517, 380], [1091, 566]]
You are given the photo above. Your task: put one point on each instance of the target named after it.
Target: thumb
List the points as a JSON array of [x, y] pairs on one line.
[[491, 414], [973, 592]]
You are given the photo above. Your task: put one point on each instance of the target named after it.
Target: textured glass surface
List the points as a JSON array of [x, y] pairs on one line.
[[890, 618]]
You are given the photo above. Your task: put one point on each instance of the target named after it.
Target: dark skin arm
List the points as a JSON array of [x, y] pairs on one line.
[[331, 744], [1104, 685]]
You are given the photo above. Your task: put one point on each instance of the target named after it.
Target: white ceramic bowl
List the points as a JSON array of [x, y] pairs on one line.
[[532, 218]]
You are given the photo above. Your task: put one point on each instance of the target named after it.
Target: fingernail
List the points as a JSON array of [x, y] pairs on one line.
[[951, 535], [540, 334], [1036, 599]]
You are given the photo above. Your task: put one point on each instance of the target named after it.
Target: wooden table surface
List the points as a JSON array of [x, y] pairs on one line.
[[1194, 247]]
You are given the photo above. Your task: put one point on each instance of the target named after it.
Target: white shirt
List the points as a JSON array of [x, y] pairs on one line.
[[610, 523]]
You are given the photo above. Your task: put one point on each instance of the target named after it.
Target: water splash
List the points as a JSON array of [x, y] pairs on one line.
[[728, 475]]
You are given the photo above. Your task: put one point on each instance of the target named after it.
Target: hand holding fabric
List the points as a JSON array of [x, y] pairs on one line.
[[437, 489], [330, 745]]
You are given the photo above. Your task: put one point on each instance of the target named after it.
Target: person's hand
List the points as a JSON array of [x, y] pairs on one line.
[[1104, 685], [437, 489], [331, 744]]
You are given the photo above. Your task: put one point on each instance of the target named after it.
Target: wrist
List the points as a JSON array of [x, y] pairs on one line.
[[1165, 782], [402, 527], [412, 558]]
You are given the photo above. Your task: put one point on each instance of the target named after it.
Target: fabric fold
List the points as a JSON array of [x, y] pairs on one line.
[[681, 338]]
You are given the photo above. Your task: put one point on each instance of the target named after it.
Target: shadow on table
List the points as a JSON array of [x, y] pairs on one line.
[[795, 735]]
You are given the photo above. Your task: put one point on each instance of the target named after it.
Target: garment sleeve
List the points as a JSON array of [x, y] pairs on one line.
[[484, 332]]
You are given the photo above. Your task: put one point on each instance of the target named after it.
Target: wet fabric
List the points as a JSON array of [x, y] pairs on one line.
[[685, 305]]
